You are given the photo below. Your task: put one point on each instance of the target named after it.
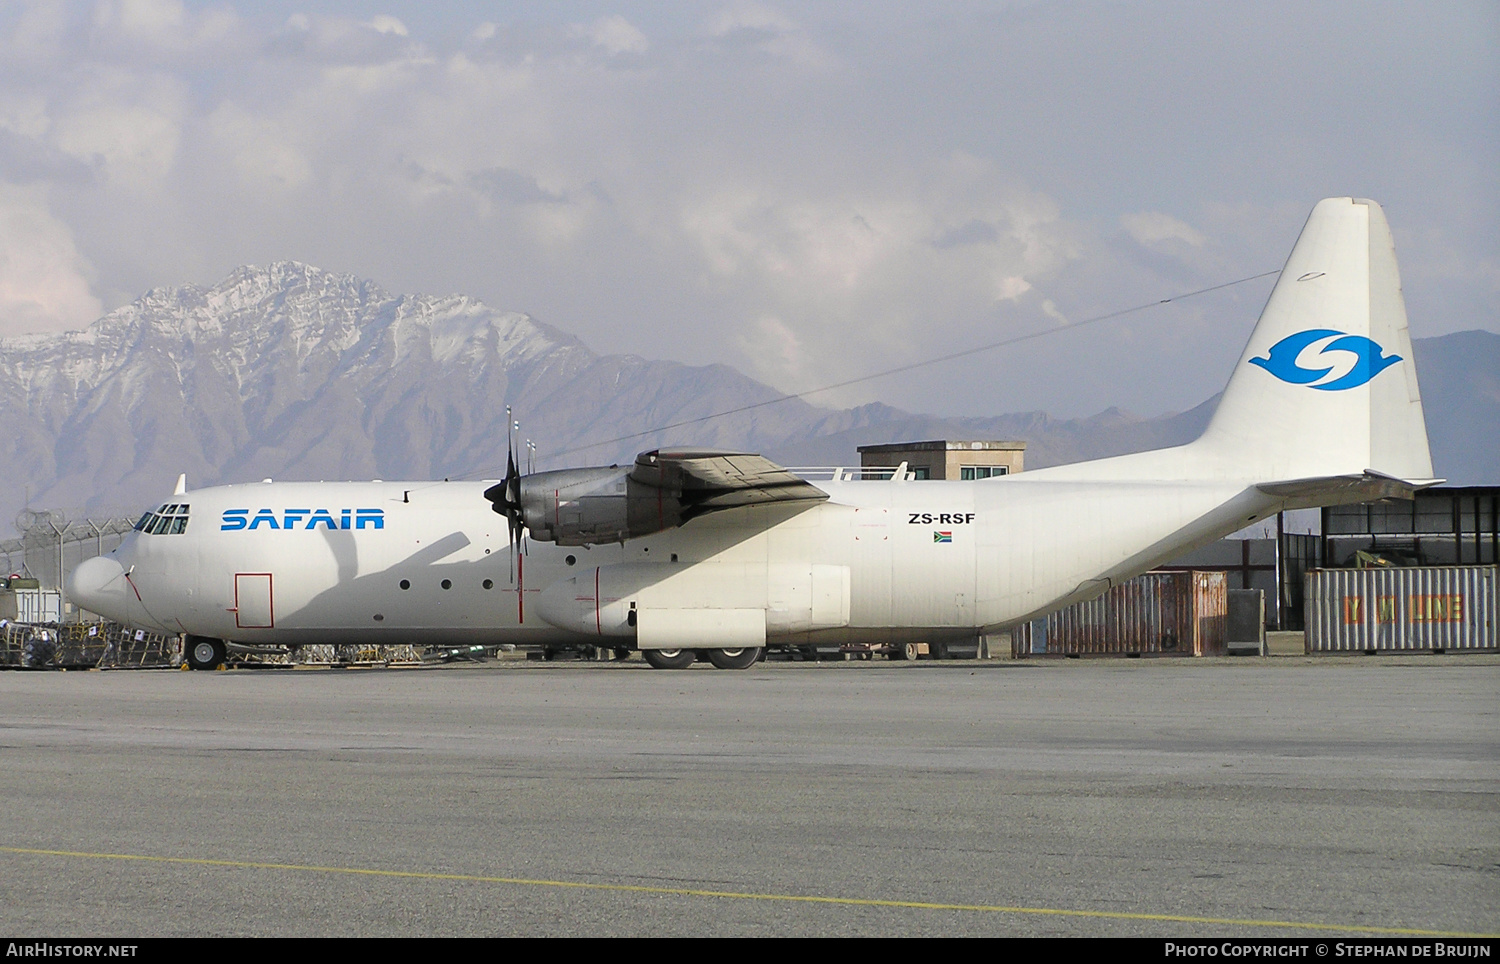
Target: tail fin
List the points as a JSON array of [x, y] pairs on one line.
[[1327, 385]]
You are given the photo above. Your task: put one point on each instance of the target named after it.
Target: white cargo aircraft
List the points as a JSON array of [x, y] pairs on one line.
[[693, 553]]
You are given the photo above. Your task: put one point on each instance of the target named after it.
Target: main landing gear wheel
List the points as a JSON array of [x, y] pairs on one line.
[[734, 658], [201, 652], [670, 658]]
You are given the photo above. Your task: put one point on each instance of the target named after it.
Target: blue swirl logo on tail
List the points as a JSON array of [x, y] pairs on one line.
[[1369, 360]]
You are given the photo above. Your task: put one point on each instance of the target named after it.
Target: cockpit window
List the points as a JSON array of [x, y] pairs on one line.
[[166, 520]]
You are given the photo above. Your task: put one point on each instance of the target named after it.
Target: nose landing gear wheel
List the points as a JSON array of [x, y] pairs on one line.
[[670, 658], [734, 658], [201, 652]]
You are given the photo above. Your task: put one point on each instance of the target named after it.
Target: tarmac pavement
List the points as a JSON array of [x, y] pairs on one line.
[[1170, 797]]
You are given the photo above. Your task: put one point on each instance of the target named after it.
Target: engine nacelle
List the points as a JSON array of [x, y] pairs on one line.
[[579, 507], [665, 488]]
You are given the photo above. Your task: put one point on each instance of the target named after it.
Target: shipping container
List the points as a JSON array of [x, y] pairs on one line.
[[30, 605], [1179, 613], [1395, 609]]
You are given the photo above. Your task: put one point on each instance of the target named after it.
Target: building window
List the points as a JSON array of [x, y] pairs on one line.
[[969, 473]]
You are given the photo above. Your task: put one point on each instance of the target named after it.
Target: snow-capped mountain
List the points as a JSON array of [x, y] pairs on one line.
[[293, 372], [296, 373]]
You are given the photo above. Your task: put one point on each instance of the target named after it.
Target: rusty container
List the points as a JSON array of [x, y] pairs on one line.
[[1182, 613], [1399, 609]]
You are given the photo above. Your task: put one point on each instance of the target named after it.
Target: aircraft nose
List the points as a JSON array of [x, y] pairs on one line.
[[98, 585]]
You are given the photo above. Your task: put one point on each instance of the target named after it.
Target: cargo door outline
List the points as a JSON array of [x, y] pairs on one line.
[[253, 601]]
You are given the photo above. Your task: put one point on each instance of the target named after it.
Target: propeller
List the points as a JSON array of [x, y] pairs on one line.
[[505, 497]]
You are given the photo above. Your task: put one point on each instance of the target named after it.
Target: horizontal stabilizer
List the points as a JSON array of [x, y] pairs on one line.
[[1343, 489]]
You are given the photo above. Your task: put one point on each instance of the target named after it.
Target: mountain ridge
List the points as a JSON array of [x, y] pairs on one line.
[[292, 372]]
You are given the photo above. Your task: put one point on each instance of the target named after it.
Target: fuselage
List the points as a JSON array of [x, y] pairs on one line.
[[402, 562]]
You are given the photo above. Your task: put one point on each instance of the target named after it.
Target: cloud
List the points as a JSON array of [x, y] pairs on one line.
[[972, 232], [319, 39], [855, 277], [43, 279], [617, 35], [1151, 227], [807, 191], [28, 159], [769, 336], [162, 27], [768, 32], [508, 186], [264, 153], [40, 32], [125, 123], [383, 23]]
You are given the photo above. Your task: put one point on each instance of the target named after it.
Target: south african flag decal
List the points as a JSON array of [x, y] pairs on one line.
[[942, 536]]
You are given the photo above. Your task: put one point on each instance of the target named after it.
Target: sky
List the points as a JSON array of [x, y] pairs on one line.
[[810, 192]]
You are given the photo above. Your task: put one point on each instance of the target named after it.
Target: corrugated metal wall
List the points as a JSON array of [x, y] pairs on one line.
[[1432, 607], [1159, 613]]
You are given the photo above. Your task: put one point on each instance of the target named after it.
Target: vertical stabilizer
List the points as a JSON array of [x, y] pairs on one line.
[[1327, 385]]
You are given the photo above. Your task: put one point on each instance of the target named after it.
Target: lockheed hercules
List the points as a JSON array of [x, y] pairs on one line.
[[693, 553]]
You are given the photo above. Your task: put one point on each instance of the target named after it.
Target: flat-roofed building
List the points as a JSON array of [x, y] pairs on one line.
[[945, 458]]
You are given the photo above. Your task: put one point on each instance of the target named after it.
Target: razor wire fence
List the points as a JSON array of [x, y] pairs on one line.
[[51, 545]]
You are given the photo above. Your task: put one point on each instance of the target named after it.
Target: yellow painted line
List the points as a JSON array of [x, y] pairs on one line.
[[745, 895]]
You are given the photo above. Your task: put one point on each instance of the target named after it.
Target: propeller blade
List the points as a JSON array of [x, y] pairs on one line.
[[505, 498], [513, 508]]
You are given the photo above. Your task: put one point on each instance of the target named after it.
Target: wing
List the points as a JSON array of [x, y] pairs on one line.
[[709, 480]]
